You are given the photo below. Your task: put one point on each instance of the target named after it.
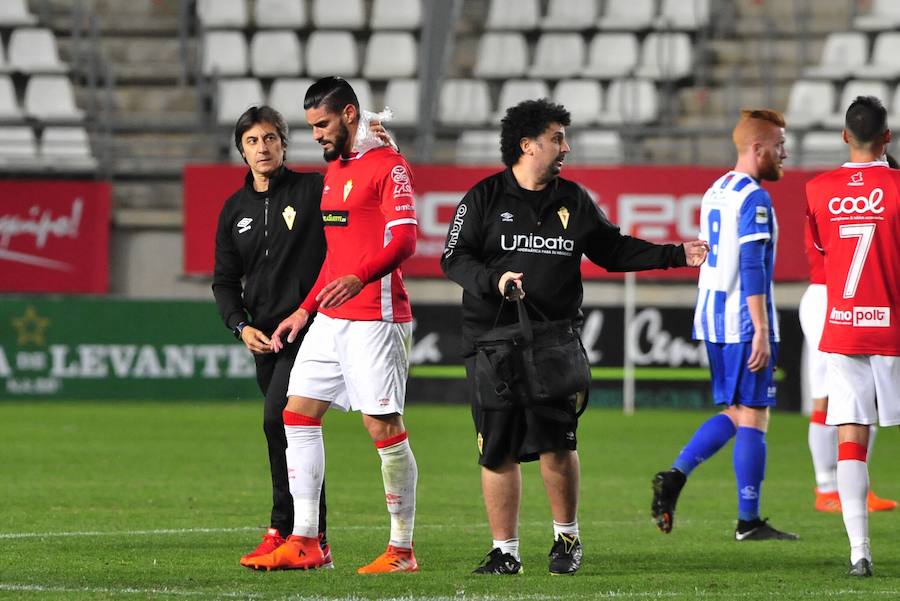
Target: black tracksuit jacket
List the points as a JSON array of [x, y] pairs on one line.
[[496, 229], [279, 264]]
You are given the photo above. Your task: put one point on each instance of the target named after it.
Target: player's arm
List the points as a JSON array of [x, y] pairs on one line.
[[753, 235], [462, 260], [296, 321], [227, 274]]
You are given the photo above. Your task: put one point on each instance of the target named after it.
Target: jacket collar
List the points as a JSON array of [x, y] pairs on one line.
[[512, 187], [274, 181]]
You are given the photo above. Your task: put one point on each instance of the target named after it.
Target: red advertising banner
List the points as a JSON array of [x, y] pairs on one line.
[[54, 236], [660, 204]]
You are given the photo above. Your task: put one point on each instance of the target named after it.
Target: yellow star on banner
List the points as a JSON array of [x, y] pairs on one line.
[[30, 327]]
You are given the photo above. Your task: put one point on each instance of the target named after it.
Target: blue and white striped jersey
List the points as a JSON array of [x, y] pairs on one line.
[[735, 211]]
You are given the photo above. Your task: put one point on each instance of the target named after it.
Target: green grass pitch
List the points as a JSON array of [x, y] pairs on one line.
[[159, 500]]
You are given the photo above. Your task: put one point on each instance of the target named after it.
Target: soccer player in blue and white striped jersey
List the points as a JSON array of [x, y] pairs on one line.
[[735, 315]]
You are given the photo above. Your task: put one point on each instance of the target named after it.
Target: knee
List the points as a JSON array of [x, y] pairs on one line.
[[754, 417]]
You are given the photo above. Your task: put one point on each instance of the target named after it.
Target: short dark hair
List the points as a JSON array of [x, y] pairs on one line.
[[866, 119], [528, 119], [334, 92], [260, 114]]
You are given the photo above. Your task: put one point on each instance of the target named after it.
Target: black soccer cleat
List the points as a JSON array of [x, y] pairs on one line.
[[666, 488], [862, 568], [499, 563], [565, 555], [760, 530]]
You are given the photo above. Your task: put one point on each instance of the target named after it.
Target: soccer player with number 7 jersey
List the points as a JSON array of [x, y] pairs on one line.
[[854, 219], [735, 316]]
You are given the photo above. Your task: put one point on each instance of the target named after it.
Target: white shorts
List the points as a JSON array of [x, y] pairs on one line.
[[813, 307], [865, 389], [358, 365]]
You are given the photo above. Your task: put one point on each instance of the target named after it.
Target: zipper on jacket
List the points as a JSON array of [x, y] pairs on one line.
[[266, 226]]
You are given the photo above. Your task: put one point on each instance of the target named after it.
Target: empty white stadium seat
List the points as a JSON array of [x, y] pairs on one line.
[[235, 96], [612, 56], [345, 14], [894, 112], [275, 54], [67, 148], [501, 55], [885, 54], [558, 55], [684, 15], [224, 53], [582, 97], [627, 15], [34, 51], [824, 149], [478, 147], [14, 13], [222, 13], [596, 146], [630, 101], [665, 56], [18, 146], [390, 54], [852, 89], [364, 94], [464, 102], [51, 98], [280, 14], [402, 96], [809, 102], [331, 53], [884, 15], [513, 14], [396, 14], [843, 53], [286, 96], [570, 15], [514, 91], [9, 107]]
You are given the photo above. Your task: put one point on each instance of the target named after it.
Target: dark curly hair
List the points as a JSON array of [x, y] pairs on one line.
[[528, 119]]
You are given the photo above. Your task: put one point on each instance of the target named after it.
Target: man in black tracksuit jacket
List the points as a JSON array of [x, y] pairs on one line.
[[528, 227], [270, 234]]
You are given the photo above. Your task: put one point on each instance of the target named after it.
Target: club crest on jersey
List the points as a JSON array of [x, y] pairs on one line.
[[244, 224], [289, 213], [402, 185], [348, 186], [856, 179], [506, 217], [762, 215], [563, 213]]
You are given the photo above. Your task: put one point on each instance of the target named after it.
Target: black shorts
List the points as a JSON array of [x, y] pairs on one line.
[[519, 433]]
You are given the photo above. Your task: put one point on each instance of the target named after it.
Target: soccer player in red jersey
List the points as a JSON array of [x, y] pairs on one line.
[[822, 438], [355, 355], [854, 219]]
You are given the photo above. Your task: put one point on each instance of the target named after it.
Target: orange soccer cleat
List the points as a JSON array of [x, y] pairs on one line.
[[395, 559], [829, 502], [271, 541], [297, 553], [878, 504]]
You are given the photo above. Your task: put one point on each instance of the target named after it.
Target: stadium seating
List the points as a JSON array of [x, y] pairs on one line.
[[67, 148], [884, 15], [464, 102], [402, 96], [34, 51], [558, 55], [286, 95], [10, 112], [627, 15], [235, 96], [18, 147], [478, 147], [852, 89], [513, 14], [275, 54], [501, 55], [390, 54], [884, 63], [630, 101], [15, 13], [280, 14], [843, 53], [684, 15], [665, 56], [596, 147], [331, 53], [570, 15], [224, 54], [582, 97], [823, 149], [396, 14], [809, 103], [363, 93], [346, 14], [214, 14], [612, 55], [51, 98], [514, 91]]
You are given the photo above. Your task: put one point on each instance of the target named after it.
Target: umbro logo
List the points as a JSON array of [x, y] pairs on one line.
[[506, 217], [244, 224]]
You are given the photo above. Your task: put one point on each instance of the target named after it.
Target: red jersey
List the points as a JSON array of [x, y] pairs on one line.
[[854, 215], [363, 198], [814, 258]]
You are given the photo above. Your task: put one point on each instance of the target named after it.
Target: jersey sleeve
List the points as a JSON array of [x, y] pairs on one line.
[[755, 218], [395, 192], [227, 274]]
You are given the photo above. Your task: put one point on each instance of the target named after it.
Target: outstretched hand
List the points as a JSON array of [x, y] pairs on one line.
[[695, 252], [292, 324], [339, 291]]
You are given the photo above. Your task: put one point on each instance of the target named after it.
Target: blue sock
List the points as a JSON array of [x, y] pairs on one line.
[[750, 470], [706, 441]]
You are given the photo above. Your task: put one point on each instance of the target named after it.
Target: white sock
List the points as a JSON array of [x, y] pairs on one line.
[[306, 469], [823, 444], [873, 430], [853, 486], [399, 472], [569, 528], [510, 546]]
